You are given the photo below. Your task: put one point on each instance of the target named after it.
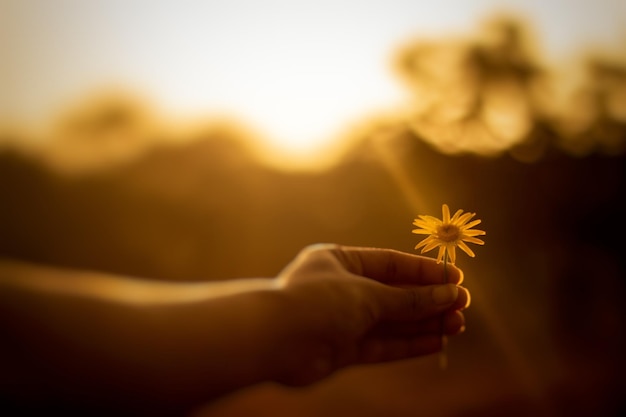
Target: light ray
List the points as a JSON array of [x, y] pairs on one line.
[[418, 197]]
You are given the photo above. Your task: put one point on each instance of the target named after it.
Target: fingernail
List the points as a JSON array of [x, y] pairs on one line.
[[466, 295], [445, 294]]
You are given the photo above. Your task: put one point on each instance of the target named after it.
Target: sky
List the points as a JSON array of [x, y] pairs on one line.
[[296, 72]]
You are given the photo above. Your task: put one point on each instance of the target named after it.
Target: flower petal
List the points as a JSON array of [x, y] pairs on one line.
[[431, 245], [456, 216], [424, 224], [472, 240], [430, 219], [474, 232], [452, 252], [421, 231], [471, 224], [446, 214], [464, 219], [424, 242], [466, 248], [441, 254]]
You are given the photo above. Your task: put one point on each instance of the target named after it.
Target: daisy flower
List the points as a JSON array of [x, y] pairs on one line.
[[448, 233]]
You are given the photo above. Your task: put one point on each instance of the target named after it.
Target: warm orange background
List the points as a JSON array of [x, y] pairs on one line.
[[112, 191]]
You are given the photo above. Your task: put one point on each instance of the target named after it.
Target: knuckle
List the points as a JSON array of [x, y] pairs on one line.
[[413, 301], [391, 270]]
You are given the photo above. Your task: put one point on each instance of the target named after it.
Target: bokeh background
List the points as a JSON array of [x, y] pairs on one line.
[[214, 140]]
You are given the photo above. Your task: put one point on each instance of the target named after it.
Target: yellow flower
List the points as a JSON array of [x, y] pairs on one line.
[[448, 233]]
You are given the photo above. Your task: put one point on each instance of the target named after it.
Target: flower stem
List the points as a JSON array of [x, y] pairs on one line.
[[443, 357], [445, 267]]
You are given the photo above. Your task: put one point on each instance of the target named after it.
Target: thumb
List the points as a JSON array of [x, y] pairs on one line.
[[416, 303]]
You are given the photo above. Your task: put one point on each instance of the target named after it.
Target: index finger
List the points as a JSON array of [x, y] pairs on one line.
[[394, 267]]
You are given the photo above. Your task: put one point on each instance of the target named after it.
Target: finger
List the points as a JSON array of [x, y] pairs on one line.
[[385, 350], [450, 323], [413, 304], [394, 267], [463, 301]]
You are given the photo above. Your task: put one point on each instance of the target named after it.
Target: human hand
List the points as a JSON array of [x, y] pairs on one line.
[[350, 305], [155, 346]]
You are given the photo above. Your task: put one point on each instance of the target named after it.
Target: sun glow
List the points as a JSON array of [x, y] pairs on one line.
[[295, 72]]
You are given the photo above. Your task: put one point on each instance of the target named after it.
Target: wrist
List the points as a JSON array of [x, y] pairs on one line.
[[301, 353]]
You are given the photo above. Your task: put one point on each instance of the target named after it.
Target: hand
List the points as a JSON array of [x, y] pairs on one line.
[[355, 305], [83, 339]]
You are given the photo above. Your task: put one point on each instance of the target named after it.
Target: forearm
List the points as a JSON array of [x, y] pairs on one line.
[[120, 340]]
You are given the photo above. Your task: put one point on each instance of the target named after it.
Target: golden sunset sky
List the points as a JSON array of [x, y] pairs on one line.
[[296, 72]]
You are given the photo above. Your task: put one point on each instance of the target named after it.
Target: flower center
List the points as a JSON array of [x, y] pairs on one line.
[[448, 233]]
